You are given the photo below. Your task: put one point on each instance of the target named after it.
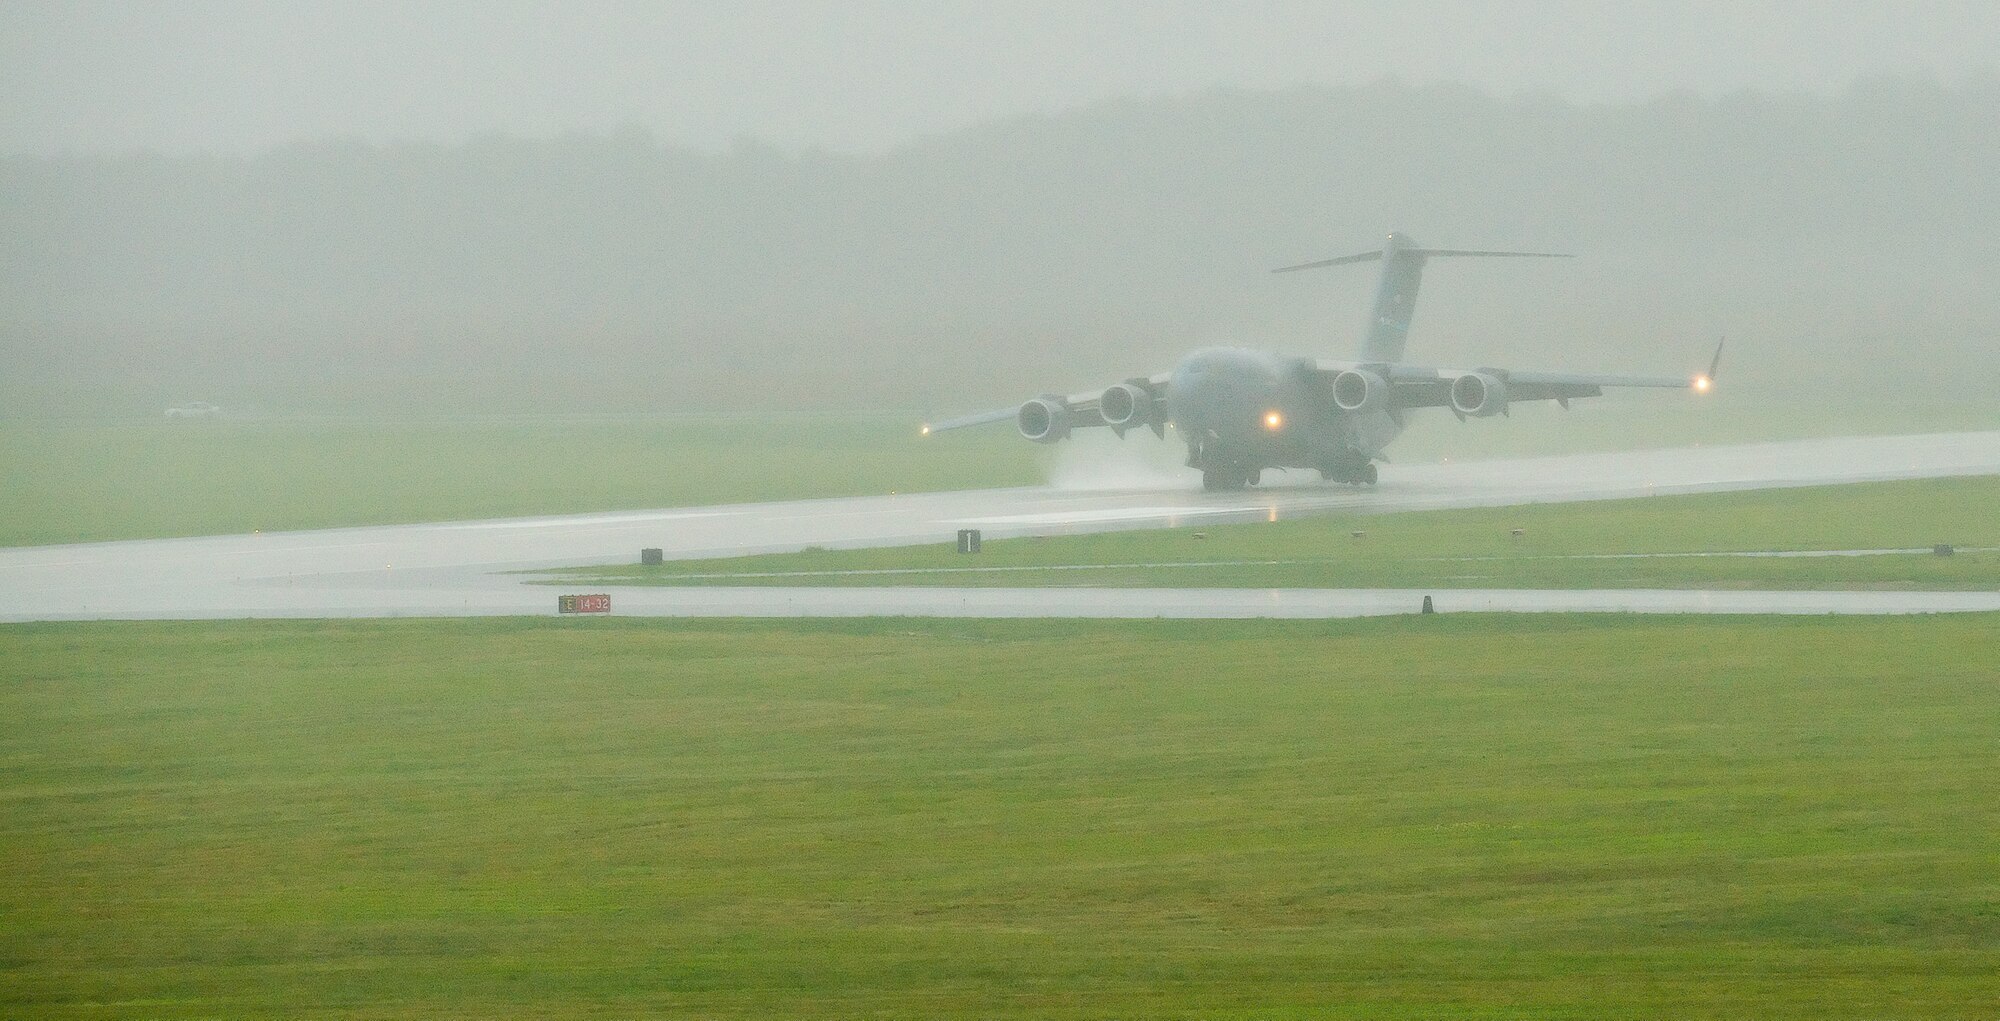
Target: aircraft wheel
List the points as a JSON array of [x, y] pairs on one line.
[[1354, 471]]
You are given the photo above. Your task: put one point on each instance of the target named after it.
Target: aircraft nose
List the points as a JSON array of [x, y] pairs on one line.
[[1191, 401], [1209, 399]]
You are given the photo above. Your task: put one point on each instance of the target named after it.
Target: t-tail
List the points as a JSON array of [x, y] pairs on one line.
[[1396, 296]]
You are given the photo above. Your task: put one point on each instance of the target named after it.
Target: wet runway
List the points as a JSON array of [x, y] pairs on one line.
[[455, 568]]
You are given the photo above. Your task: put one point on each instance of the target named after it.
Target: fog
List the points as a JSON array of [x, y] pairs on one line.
[[996, 239], [241, 76]]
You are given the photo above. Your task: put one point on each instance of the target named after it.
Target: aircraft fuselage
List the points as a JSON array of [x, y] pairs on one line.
[[1240, 411]]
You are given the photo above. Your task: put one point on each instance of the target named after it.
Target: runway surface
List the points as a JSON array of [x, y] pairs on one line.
[[456, 568]]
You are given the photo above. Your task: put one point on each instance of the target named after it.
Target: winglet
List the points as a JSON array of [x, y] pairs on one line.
[[1706, 381]]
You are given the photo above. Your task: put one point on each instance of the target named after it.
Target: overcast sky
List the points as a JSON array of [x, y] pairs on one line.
[[239, 77]]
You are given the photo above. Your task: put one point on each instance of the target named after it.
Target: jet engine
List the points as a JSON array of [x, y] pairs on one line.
[[1124, 406], [1479, 394], [1358, 391], [1044, 419]]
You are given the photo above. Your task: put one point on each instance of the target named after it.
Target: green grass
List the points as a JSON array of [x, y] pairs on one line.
[[1456, 548], [79, 483], [1417, 817]]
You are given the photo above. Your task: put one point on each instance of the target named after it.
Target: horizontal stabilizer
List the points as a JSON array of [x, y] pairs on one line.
[[1439, 252], [1426, 253], [1342, 261]]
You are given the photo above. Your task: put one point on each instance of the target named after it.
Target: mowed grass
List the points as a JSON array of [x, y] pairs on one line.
[[1576, 545], [76, 483], [1415, 817]]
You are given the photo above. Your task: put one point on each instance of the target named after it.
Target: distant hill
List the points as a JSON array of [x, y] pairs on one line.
[[1855, 238]]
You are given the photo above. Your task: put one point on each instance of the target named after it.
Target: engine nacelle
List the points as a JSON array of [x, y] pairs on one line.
[[1044, 419], [1479, 394], [1358, 391], [1125, 406]]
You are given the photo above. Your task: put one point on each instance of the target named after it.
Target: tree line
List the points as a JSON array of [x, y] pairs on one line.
[[1855, 235]]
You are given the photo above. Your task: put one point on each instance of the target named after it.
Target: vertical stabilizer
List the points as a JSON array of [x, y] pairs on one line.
[[1395, 301], [1396, 295]]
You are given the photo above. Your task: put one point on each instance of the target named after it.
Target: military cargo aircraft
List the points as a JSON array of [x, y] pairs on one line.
[[1241, 411]]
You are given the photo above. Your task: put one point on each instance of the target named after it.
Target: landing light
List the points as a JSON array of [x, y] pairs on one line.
[[925, 431], [1273, 421], [1702, 384]]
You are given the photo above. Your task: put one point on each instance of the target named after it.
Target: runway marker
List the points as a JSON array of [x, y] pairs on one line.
[[1108, 514], [585, 522]]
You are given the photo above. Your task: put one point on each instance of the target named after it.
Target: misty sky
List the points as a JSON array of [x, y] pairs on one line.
[[240, 77]]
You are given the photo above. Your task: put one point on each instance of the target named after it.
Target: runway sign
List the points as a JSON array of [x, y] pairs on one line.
[[599, 602]]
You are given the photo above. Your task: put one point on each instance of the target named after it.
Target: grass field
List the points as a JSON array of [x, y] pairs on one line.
[[1418, 817], [1560, 546], [79, 483]]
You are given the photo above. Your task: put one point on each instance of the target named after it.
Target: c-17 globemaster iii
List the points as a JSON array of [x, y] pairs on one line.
[[1241, 411]]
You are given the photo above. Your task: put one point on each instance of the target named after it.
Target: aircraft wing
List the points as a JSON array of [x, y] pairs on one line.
[[1423, 386], [1081, 409], [982, 418]]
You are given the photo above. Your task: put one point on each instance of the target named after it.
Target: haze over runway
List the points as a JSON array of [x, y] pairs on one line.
[[460, 568], [463, 209]]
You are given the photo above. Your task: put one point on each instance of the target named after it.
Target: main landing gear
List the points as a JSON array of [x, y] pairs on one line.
[[1228, 480], [1352, 473]]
